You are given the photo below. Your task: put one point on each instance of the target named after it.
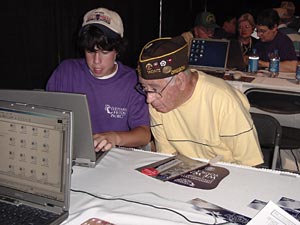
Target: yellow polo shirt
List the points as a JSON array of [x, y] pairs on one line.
[[214, 121]]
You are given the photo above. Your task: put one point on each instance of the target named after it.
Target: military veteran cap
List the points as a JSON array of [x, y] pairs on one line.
[[108, 21], [163, 57], [206, 19]]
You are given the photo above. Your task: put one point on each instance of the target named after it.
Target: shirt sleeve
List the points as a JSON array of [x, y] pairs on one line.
[[60, 80]]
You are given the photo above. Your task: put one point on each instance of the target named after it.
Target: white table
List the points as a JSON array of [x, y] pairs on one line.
[[285, 81], [115, 176], [277, 84]]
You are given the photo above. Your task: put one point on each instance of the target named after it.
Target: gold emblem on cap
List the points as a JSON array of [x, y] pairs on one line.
[[210, 19], [167, 69], [149, 66]]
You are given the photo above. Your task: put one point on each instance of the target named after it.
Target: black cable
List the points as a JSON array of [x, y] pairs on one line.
[[146, 204], [295, 158], [280, 162]]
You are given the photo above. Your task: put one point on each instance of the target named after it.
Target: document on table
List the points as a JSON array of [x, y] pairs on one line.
[[272, 214]]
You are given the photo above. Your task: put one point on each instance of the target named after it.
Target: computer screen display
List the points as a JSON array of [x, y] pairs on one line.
[[83, 151], [208, 53], [34, 143]]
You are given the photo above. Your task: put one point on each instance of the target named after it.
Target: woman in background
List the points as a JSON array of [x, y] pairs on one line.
[[246, 26]]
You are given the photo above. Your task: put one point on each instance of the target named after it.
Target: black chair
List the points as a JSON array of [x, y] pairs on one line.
[[269, 135], [282, 103]]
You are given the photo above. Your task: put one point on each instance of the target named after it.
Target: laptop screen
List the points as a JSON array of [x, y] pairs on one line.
[[208, 54], [83, 153], [35, 152]]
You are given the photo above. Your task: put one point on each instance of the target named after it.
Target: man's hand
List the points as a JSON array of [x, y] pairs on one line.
[[105, 141]]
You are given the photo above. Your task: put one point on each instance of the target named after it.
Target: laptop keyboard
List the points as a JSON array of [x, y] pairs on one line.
[[24, 215], [219, 74]]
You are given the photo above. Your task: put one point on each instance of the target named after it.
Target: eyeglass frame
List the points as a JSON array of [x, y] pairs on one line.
[[141, 89], [259, 31], [263, 31]]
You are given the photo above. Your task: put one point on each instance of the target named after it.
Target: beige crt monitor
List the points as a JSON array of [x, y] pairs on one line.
[[83, 152], [35, 163]]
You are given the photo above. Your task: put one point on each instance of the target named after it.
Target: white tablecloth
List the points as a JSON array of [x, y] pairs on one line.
[[267, 82], [115, 177]]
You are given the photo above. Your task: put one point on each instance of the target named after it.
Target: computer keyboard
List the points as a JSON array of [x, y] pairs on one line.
[[219, 74], [24, 215]]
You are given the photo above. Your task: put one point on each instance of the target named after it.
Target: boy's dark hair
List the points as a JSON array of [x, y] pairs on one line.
[[268, 17], [91, 37]]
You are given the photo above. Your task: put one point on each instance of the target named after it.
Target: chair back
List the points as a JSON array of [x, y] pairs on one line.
[[269, 134], [274, 101]]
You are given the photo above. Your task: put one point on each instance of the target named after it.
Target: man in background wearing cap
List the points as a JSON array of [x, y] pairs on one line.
[[204, 27], [193, 113], [119, 114]]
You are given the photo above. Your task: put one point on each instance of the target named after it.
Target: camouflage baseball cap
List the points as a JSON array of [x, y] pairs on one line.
[[206, 19]]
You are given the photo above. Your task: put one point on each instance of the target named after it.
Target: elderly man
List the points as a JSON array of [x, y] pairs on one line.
[[271, 39], [191, 112]]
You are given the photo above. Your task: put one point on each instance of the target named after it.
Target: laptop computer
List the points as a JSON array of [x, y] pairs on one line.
[[35, 163], [235, 57], [83, 153], [209, 55]]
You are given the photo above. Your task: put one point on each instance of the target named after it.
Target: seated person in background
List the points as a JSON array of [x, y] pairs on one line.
[[228, 29], [191, 112], [246, 26], [205, 25], [291, 33], [271, 39], [119, 114], [293, 21]]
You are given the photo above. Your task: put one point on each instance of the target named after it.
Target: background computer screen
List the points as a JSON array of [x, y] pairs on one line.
[[208, 53]]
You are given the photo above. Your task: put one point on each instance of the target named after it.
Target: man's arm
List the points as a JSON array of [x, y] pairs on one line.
[[245, 148], [284, 66]]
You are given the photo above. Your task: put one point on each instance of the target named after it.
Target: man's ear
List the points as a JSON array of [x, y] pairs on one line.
[[275, 27], [181, 80]]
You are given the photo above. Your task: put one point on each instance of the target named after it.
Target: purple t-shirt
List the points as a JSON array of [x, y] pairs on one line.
[[114, 103], [281, 42]]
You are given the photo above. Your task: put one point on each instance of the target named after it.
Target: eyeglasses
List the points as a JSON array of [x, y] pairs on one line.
[[262, 31], [145, 91], [247, 27]]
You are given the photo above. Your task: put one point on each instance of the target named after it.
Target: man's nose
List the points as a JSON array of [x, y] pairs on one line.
[[150, 97], [97, 57]]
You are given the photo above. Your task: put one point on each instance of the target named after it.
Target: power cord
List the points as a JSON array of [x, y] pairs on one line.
[[296, 161], [149, 205]]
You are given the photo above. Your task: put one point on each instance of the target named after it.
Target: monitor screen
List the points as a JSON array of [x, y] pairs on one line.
[[35, 146], [208, 53], [77, 103]]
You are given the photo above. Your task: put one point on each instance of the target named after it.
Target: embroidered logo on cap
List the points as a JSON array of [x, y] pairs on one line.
[[99, 16], [210, 19]]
